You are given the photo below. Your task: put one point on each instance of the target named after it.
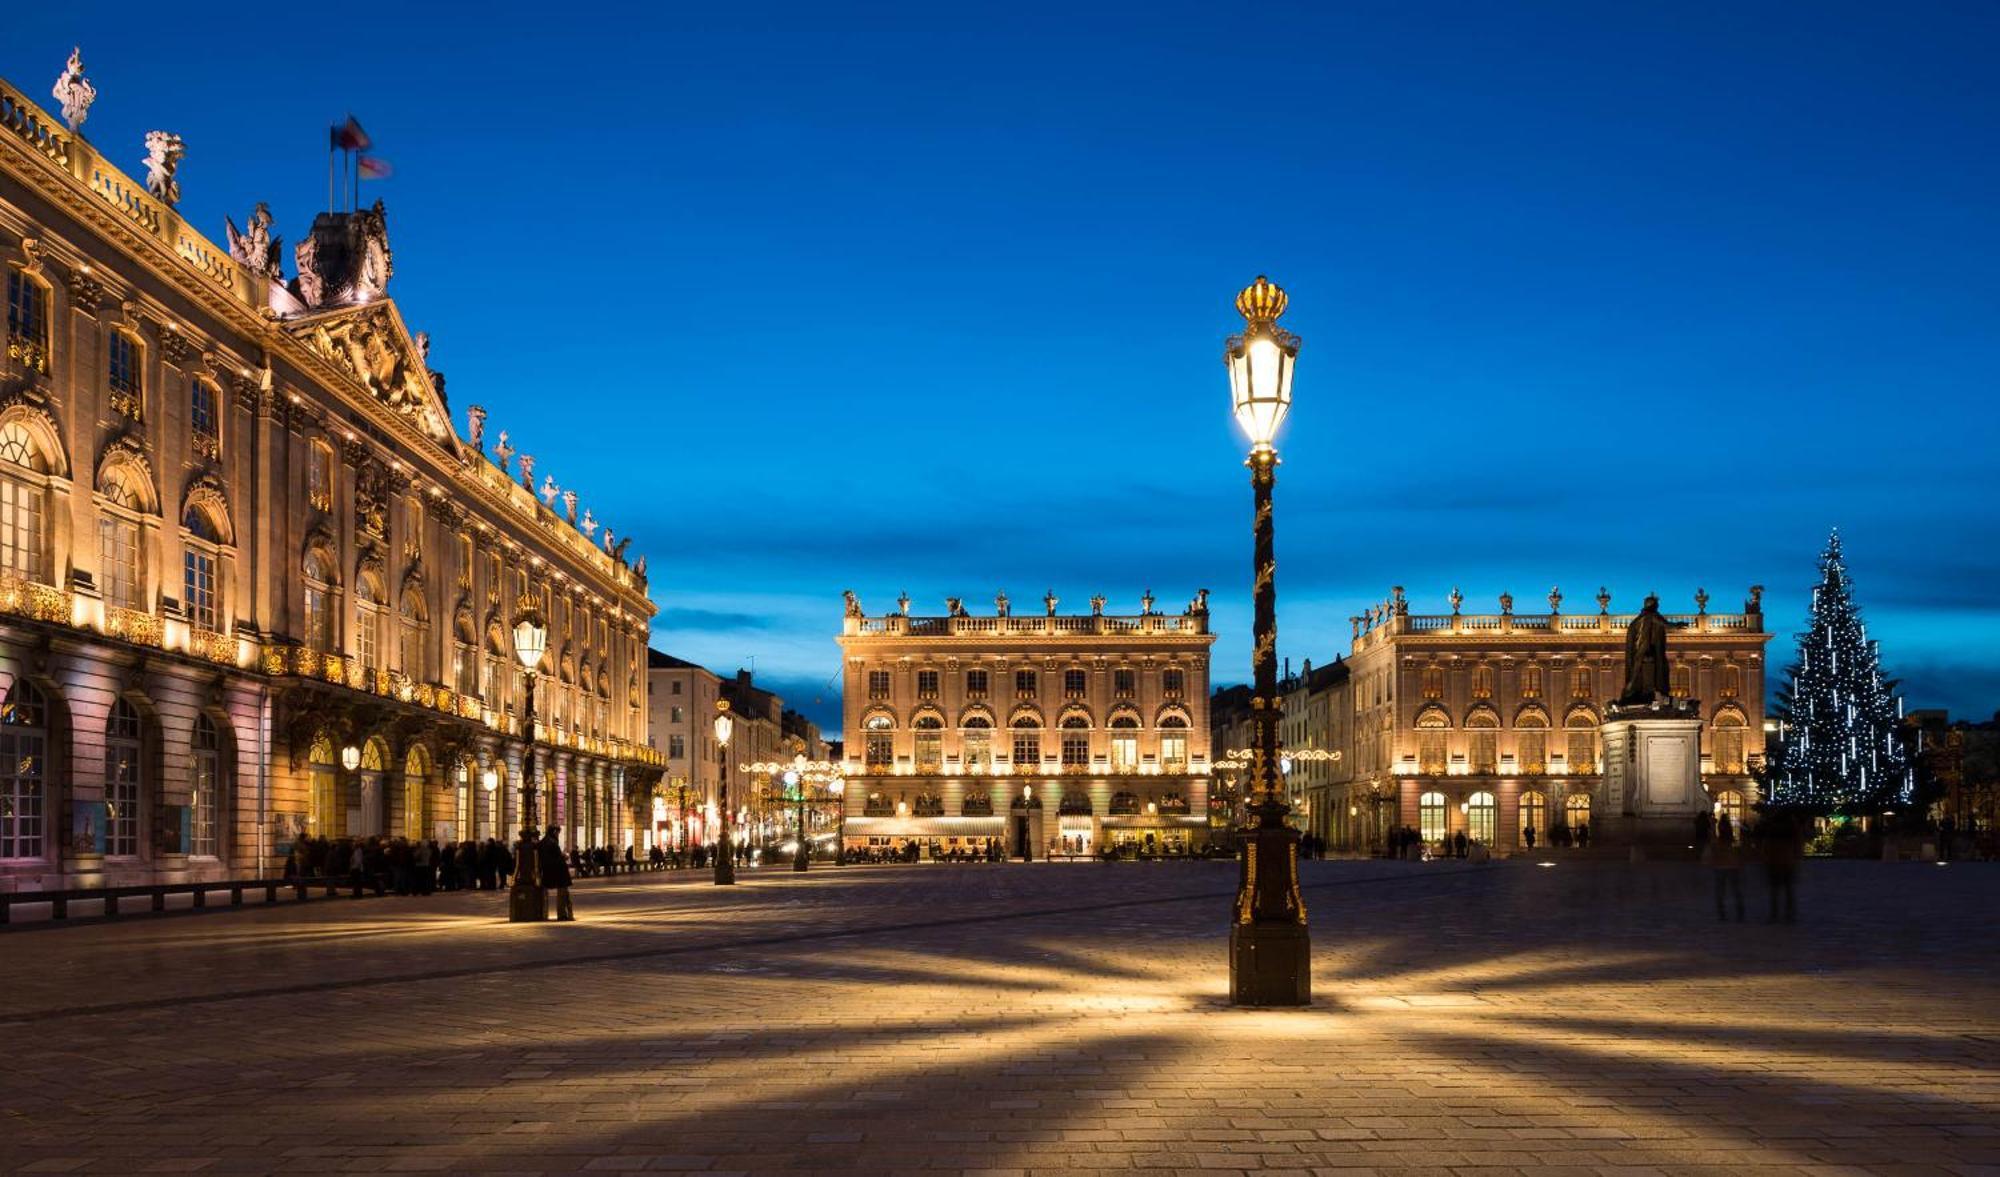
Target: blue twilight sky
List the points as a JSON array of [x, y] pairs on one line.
[[814, 296]]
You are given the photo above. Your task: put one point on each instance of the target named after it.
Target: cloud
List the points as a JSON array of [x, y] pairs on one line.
[[675, 618]]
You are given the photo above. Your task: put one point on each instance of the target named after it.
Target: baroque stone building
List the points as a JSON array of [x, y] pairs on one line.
[[1037, 734], [1488, 723], [240, 537]]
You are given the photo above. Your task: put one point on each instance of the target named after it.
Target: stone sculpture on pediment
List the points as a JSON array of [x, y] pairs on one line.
[[369, 346], [74, 91], [255, 248]]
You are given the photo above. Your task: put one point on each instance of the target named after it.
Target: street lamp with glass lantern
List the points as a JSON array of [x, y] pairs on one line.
[[527, 900], [1270, 953], [725, 852]]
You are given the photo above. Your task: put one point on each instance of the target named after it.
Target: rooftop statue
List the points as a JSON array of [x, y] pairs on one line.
[[74, 91], [164, 150], [255, 248]]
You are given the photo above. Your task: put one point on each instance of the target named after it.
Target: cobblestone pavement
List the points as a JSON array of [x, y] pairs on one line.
[[1025, 1019]]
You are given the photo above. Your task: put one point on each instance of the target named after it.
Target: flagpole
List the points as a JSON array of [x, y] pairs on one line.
[[331, 140]]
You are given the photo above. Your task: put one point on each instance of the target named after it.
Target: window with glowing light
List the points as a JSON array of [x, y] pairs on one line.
[[24, 743], [1581, 728], [1027, 744], [1075, 744], [1531, 742], [1534, 815], [1482, 818], [1576, 810], [879, 746], [1173, 744], [1124, 744], [23, 504], [207, 796], [319, 476], [1482, 741], [976, 743], [1433, 820], [124, 777], [929, 741], [1433, 739], [1727, 742]]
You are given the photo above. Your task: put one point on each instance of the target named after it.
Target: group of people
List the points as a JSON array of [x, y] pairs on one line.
[[1778, 840], [417, 866]]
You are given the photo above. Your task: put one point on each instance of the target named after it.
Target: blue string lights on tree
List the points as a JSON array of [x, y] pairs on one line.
[[1842, 747]]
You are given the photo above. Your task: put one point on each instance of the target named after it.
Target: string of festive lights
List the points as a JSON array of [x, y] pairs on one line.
[[1841, 746]]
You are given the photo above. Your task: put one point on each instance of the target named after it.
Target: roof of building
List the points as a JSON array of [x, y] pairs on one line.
[[661, 660]]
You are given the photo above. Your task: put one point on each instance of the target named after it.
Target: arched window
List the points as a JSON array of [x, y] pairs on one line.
[[207, 799], [204, 418], [1732, 681], [1433, 732], [324, 816], [23, 505], [465, 655], [977, 741], [1680, 680], [1482, 820], [1531, 742], [201, 591], [412, 623], [929, 743], [416, 791], [1173, 744], [368, 612], [126, 376], [880, 748], [1075, 744], [1581, 728], [1124, 744], [24, 747], [124, 775], [1576, 810], [1729, 803], [1432, 821], [1727, 743], [318, 572], [120, 567], [1027, 744], [28, 321], [1483, 741], [1534, 815]]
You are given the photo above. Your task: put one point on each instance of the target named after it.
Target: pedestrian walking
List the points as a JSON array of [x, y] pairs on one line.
[[1726, 857], [1780, 838]]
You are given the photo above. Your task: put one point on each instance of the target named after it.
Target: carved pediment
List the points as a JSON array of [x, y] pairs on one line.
[[371, 345]]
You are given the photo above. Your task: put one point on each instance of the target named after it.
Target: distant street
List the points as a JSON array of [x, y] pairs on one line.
[[1021, 1019]]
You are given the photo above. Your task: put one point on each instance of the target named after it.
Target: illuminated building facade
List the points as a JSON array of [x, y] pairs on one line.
[[1488, 723], [240, 538], [1035, 734]]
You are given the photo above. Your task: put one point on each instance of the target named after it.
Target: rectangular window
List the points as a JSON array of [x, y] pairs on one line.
[[1075, 749], [367, 635], [927, 684], [1124, 682], [118, 555], [978, 749], [1579, 683], [319, 476], [21, 529], [677, 746], [1124, 752], [1173, 751], [975, 684], [125, 377], [1531, 749], [1024, 684], [878, 684], [1075, 682], [677, 688], [21, 819], [1173, 683], [1027, 749], [1582, 751], [27, 322], [929, 751], [881, 751], [198, 588], [1482, 682], [207, 801], [1531, 682], [676, 715], [204, 421]]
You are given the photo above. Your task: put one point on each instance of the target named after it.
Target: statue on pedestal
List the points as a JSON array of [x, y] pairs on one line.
[[1646, 658]]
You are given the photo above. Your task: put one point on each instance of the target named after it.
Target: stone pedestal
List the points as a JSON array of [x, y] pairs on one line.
[[1652, 781]]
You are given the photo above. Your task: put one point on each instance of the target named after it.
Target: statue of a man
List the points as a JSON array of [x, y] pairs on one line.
[[1645, 657]]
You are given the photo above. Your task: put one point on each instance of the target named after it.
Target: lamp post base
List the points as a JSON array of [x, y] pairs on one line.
[[1270, 964], [725, 869], [800, 862], [527, 903]]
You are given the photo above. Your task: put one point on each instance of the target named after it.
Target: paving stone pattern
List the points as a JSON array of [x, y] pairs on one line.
[[1022, 1019]]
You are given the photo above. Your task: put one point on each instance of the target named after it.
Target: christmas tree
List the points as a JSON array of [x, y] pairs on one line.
[[1842, 747]]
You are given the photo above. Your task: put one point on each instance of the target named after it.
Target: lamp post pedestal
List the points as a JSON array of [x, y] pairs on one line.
[[725, 842], [803, 857], [1270, 949], [527, 899]]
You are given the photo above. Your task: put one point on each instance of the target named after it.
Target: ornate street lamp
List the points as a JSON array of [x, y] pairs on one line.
[[527, 900], [795, 780], [725, 851], [1270, 952]]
